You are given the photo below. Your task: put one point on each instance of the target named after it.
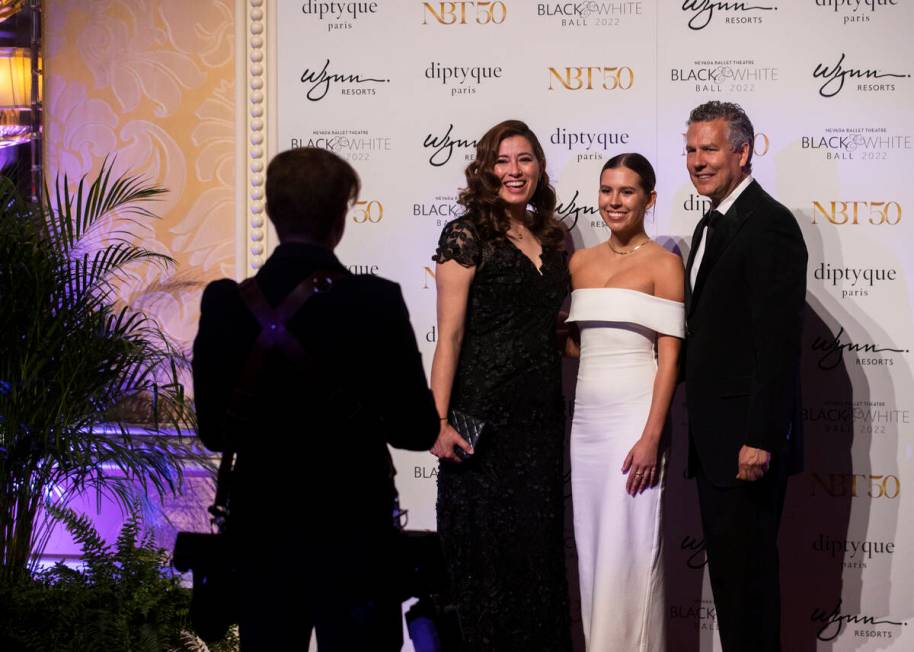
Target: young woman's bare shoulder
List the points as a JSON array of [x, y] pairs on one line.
[[661, 256], [583, 255], [667, 272]]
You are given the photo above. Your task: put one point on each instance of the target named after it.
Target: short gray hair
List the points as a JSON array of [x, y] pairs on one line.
[[741, 130]]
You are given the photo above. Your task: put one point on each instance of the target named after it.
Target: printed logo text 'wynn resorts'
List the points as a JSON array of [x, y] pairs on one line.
[[834, 77], [442, 146], [831, 351], [831, 624], [701, 12], [318, 83]]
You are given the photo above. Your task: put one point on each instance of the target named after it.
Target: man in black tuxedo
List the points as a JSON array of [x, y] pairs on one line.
[[745, 292], [312, 490]]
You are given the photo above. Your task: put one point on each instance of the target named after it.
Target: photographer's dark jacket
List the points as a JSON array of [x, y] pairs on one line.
[[312, 477]]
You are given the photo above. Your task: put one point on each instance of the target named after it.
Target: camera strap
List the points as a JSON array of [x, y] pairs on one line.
[[274, 335]]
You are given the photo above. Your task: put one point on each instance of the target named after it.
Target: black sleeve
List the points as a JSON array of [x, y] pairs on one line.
[[459, 242], [216, 362], [407, 408], [777, 287]]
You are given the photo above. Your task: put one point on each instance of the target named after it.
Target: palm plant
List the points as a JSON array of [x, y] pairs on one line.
[[72, 356]]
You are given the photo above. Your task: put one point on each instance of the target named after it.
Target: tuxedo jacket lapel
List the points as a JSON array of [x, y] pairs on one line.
[[696, 242], [734, 220]]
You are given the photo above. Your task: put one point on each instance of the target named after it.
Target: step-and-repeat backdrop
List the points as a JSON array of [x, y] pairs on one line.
[[403, 88]]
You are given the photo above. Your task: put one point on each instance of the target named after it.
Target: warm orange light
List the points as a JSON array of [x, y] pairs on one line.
[[15, 78]]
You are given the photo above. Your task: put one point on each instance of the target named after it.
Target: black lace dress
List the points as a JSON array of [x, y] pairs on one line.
[[500, 513]]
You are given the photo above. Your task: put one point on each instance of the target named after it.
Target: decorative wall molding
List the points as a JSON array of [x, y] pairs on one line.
[[254, 52]]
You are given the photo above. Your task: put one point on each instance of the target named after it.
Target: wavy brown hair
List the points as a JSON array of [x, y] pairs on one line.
[[487, 211]]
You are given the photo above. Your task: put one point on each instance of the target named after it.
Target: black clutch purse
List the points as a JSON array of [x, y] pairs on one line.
[[468, 427]]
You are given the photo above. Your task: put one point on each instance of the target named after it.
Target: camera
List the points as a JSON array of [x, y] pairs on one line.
[[214, 605]]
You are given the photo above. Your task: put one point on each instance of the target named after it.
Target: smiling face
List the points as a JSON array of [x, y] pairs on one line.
[[623, 200], [518, 170], [714, 166]]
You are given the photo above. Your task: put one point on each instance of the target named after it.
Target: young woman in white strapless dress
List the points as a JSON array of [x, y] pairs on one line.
[[627, 304]]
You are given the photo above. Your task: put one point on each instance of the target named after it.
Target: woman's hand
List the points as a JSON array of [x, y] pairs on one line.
[[448, 438], [641, 466]]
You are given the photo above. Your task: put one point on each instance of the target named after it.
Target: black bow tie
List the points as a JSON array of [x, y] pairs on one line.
[[712, 220]]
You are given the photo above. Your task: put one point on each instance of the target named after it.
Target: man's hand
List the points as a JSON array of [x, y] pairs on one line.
[[753, 463], [447, 439]]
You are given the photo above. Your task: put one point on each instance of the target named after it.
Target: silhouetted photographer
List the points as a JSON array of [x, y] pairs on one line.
[[307, 373]]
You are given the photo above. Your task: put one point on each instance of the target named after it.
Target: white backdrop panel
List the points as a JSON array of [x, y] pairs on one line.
[[403, 88]]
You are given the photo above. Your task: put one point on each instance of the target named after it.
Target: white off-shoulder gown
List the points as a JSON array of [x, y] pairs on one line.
[[618, 537]]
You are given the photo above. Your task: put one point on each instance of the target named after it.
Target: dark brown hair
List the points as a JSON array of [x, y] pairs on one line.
[[309, 191], [637, 164], [487, 211]]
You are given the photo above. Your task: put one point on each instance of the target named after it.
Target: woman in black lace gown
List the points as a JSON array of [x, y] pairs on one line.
[[501, 278]]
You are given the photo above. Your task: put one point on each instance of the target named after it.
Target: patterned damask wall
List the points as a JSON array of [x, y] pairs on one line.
[[152, 82]]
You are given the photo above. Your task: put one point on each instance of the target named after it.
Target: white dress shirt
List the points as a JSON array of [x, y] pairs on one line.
[[722, 208]]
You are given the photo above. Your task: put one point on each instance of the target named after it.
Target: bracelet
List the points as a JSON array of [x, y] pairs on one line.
[[442, 418]]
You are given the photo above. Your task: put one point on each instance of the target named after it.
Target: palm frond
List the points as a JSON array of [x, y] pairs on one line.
[[74, 216], [72, 356], [95, 273]]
